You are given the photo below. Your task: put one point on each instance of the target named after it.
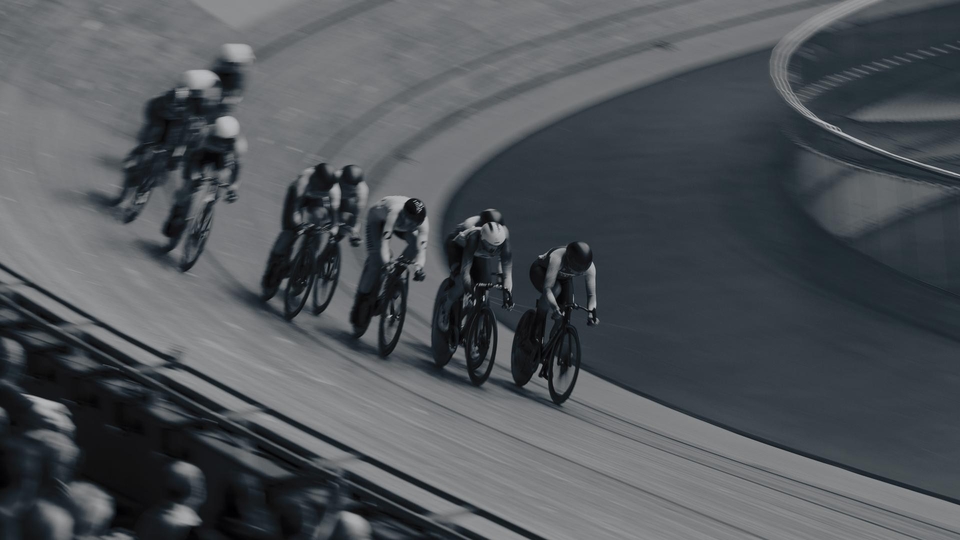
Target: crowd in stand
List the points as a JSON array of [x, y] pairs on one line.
[[41, 499]]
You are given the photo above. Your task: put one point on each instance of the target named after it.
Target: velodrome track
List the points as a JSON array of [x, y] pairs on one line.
[[609, 464]]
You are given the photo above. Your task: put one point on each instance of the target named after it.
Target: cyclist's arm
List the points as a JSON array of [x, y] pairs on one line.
[[423, 232], [335, 198], [470, 246], [388, 234], [239, 150], [591, 277], [550, 279], [362, 193], [506, 264]]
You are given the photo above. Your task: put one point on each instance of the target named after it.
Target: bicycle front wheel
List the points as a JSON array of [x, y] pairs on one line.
[[329, 276], [300, 281], [197, 234], [523, 356], [392, 317], [481, 346], [564, 365]]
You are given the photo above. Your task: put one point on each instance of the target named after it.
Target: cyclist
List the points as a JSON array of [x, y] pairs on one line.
[[404, 217], [222, 147], [164, 118], [353, 202], [312, 197], [552, 276], [468, 255], [231, 66]]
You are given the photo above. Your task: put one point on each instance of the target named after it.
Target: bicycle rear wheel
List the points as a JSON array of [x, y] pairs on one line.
[[392, 316], [481, 346], [329, 276], [140, 198], [300, 282], [523, 363], [197, 234], [442, 343], [564, 365]]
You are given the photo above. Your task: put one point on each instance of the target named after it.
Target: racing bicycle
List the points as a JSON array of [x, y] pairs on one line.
[[304, 270], [390, 304], [559, 358], [198, 226], [473, 324]]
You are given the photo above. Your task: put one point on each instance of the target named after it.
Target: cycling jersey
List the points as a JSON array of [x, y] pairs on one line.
[[353, 203], [549, 270], [472, 247], [383, 223]]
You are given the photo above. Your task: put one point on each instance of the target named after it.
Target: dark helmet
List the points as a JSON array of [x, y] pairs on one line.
[[322, 179], [578, 256], [490, 215], [415, 211], [351, 175]]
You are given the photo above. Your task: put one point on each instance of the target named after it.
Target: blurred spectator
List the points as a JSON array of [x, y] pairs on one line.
[[297, 515], [12, 399], [20, 469], [119, 534], [50, 415], [92, 510], [338, 524], [175, 518], [246, 516]]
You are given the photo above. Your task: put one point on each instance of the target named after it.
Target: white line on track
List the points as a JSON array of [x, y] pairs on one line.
[[294, 149], [234, 326]]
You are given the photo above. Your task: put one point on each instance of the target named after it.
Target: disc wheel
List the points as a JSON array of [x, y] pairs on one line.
[[392, 316], [442, 343], [300, 282], [196, 240], [329, 276], [523, 363], [564, 365], [481, 346]]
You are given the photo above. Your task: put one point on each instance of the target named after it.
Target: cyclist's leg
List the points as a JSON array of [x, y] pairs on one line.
[[371, 269]]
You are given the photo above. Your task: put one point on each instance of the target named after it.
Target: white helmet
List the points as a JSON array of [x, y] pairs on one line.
[[493, 233], [226, 127], [236, 53], [199, 80]]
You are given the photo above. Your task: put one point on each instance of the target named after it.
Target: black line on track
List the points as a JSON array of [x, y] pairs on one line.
[[285, 41], [385, 165], [340, 139]]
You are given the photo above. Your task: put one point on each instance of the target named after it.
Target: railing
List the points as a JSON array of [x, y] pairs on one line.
[[895, 208], [39, 312]]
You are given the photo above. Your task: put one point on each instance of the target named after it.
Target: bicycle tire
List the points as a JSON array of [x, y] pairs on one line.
[[522, 365], [133, 211], [198, 232], [442, 343], [328, 274], [302, 269], [481, 345], [395, 289], [556, 358]]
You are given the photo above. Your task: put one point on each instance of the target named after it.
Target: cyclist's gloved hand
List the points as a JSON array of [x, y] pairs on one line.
[[592, 320], [419, 275], [507, 300], [232, 195], [557, 314]]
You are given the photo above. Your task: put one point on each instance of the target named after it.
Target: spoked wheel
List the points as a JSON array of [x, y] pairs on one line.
[[564, 365], [197, 234], [443, 343], [329, 276], [523, 357], [394, 312], [481, 346], [300, 282]]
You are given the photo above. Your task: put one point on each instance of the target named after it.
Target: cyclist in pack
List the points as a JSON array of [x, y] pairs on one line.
[[313, 197], [552, 276], [468, 255], [231, 66], [394, 215]]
